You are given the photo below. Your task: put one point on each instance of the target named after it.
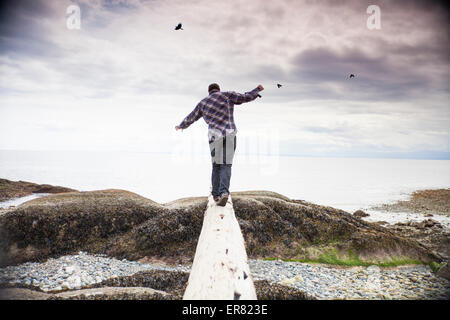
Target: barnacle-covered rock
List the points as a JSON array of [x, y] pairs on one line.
[[145, 285], [14, 189], [266, 290], [123, 224], [63, 223]]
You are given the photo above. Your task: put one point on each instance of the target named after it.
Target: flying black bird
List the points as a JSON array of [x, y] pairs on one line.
[[352, 76], [178, 27], [279, 85]]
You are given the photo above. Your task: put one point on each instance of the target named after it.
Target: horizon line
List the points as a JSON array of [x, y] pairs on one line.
[[413, 155]]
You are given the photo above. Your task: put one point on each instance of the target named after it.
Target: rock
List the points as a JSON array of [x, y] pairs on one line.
[[360, 214], [112, 293], [288, 282], [106, 293], [428, 223], [14, 189], [266, 290], [22, 294], [435, 238], [75, 282], [444, 271], [69, 269], [298, 278], [70, 222], [127, 226]]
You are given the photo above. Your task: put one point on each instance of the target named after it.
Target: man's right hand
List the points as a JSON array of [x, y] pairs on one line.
[[260, 87]]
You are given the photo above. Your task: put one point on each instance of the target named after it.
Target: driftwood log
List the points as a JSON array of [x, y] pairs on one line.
[[220, 269]]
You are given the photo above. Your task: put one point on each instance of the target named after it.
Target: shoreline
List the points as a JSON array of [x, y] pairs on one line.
[[68, 272], [12, 191], [423, 201]]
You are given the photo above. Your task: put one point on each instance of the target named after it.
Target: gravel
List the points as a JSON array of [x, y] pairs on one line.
[[373, 282], [323, 282]]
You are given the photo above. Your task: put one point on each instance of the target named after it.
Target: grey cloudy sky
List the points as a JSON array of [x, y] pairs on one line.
[[126, 78]]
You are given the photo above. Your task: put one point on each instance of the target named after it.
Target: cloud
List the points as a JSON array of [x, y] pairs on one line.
[[128, 57], [376, 77], [22, 30]]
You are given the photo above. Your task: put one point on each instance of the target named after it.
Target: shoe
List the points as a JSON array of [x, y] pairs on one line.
[[216, 199], [223, 200]]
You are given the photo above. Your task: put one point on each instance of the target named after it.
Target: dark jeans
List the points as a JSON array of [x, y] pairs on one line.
[[222, 154]]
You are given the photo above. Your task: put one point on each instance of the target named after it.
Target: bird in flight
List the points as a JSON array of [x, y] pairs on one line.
[[179, 27], [279, 85], [352, 76]]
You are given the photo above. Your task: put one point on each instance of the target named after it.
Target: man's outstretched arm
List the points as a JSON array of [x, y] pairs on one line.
[[190, 119], [238, 98]]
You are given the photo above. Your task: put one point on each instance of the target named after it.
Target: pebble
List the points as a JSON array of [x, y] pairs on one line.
[[321, 281], [371, 282]]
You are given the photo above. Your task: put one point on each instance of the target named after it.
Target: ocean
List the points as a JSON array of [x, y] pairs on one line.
[[345, 183]]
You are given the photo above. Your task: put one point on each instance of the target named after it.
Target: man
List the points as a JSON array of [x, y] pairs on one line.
[[217, 111]]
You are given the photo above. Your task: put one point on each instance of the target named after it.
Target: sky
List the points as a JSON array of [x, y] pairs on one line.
[[126, 78]]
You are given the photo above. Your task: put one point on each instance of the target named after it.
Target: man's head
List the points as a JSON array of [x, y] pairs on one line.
[[213, 86]]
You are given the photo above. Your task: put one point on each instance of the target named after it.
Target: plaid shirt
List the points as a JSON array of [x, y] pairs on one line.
[[217, 111]]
